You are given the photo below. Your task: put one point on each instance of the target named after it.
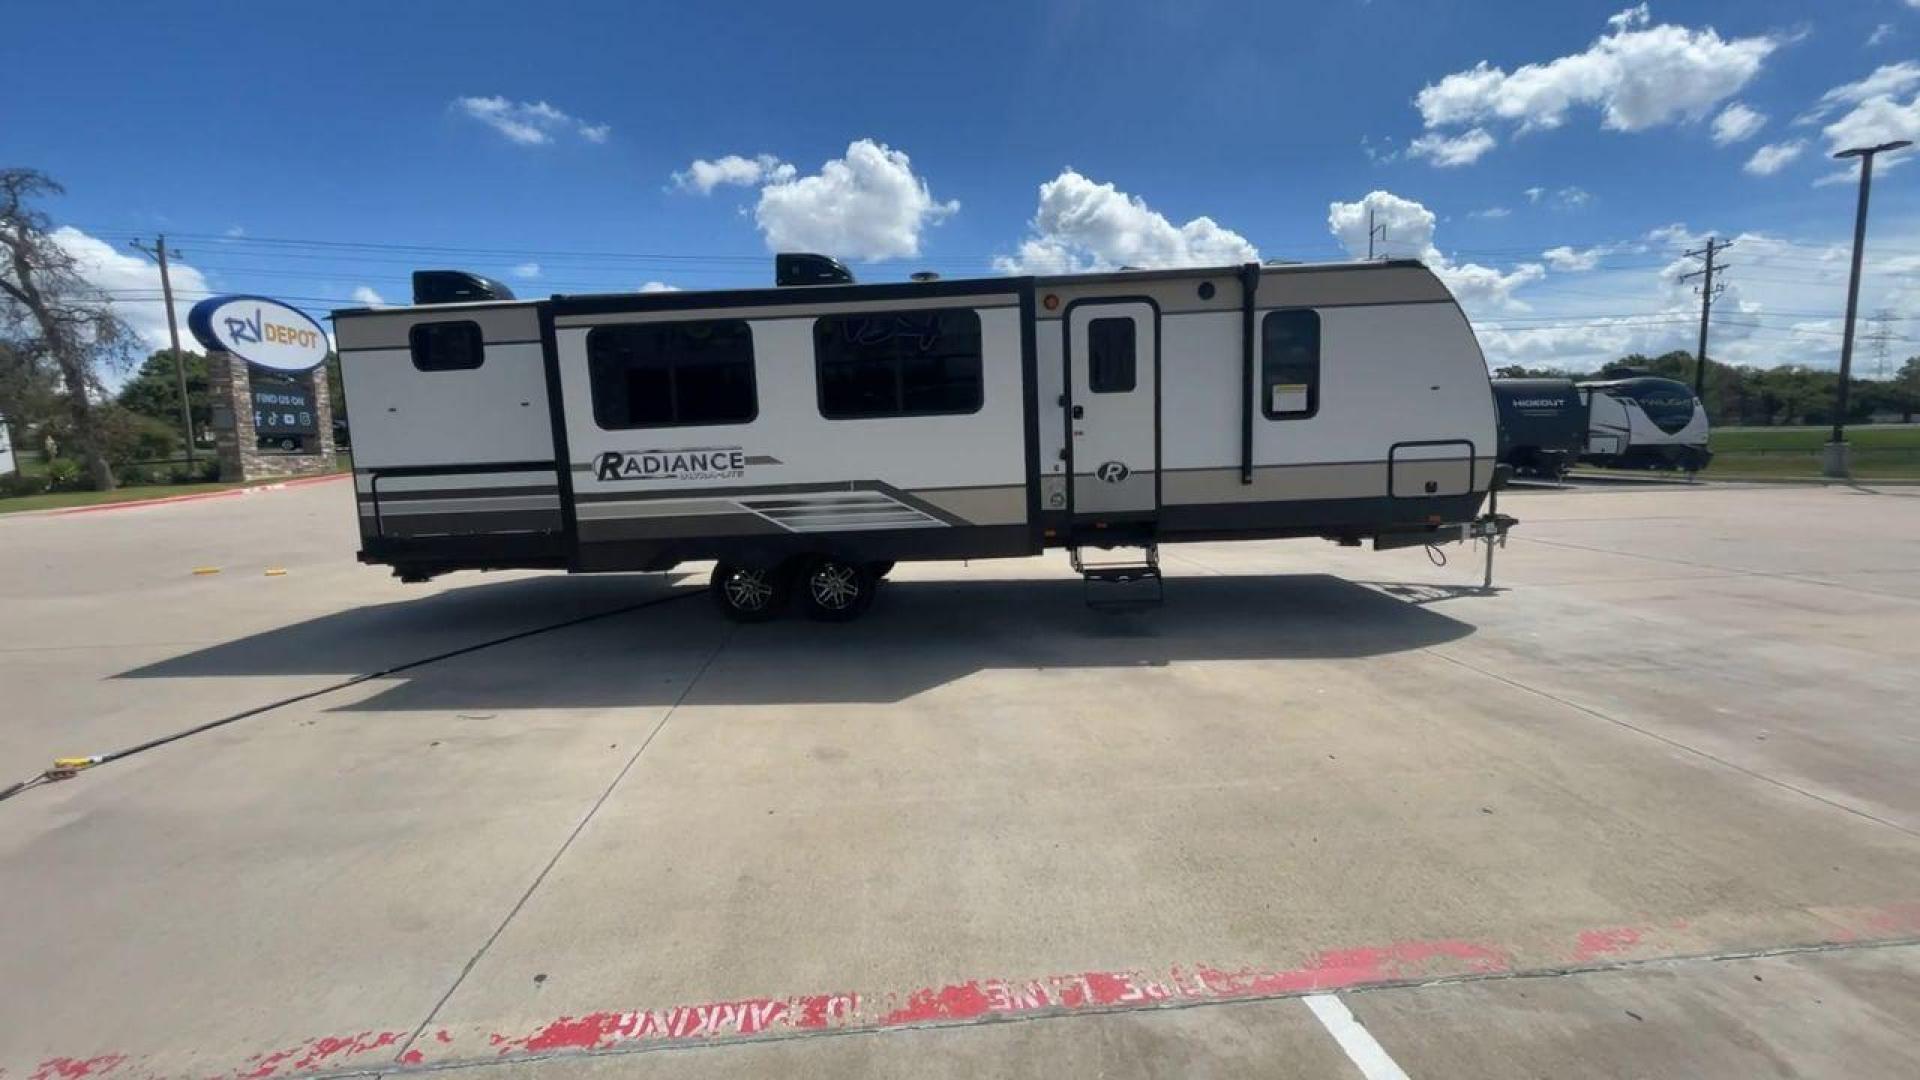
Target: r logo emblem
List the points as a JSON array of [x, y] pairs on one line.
[[1112, 471]]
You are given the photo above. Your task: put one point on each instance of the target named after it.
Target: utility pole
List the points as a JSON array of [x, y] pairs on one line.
[[1373, 231], [1837, 464], [1708, 290], [158, 253]]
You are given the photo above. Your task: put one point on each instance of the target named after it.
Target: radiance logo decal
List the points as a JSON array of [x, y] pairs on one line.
[[691, 463]]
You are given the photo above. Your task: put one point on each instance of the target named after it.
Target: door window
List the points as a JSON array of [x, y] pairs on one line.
[[1110, 356]]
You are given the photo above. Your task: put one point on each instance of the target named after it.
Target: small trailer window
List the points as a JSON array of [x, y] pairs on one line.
[[901, 363], [672, 374], [1290, 364], [1110, 356], [446, 346]]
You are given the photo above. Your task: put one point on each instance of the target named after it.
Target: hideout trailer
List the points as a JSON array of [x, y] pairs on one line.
[[807, 436], [1543, 424]]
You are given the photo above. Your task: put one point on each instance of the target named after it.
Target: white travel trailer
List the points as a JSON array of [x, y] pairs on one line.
[[1645, 422], [807, 436]]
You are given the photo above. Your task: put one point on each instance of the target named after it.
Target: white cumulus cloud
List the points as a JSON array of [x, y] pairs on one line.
[[867, 205], [1447, 151], [1638, 75], [658, 286], [131, 284], [1880, 33], [1409, 231], [703, 176], [1082, 225], [1773, 157], [1874, 121], [528, 123], [1737, 123], [366, 297], [1882, 107], [1490, 212], [1888, 80], [1570, 260], [527, 270]]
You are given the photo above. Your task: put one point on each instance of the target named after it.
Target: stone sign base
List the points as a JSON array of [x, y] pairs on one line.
[[237, 440]]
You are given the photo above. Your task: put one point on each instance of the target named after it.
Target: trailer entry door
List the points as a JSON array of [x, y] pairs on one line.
[[1113, 410]]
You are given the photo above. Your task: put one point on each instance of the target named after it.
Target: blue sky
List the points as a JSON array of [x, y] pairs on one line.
[[1556, 188]]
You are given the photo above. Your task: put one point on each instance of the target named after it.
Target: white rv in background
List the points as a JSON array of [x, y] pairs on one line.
[[1645, 422], [807, 436], [7, 465]]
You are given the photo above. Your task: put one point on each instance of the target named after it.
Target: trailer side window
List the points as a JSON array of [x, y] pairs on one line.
[[446, 346], [1110, 356], [900, 363], [672, 374], [1290, 364]]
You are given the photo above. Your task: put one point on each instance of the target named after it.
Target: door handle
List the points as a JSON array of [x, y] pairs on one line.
[[1079, 412]]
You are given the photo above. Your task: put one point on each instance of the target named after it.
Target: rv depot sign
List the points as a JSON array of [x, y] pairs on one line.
[[263, 332], [268, 386]]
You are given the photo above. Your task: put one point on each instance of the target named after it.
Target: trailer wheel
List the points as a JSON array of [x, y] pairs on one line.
[[832, 590], [748, 595]]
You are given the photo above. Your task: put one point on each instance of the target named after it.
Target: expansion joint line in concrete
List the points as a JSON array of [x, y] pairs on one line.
[[1675, 743], [561, 851]]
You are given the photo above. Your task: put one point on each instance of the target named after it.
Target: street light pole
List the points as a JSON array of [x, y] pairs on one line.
[[1837, 464]]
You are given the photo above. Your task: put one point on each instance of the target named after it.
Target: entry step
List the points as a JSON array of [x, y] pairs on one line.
[[1121, 582]]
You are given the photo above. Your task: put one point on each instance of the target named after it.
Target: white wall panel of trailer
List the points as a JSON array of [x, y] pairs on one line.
[[403, 416], [462, 455], [800, 473]]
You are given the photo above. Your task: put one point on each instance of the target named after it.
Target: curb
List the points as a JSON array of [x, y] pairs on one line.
[[134, 504]]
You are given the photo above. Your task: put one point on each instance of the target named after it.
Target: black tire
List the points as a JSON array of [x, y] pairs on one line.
[[749, 594], [833, 590]]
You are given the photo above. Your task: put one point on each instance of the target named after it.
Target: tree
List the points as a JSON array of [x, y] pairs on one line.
[[1521, 371], [154, 391], [1907, 382], [28, 392], [336, 388], [52, 319]]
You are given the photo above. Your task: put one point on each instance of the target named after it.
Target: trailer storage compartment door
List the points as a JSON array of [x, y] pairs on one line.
[[1417, 470]]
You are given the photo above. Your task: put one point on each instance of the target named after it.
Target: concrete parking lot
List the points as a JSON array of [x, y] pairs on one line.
[[1648, 809]]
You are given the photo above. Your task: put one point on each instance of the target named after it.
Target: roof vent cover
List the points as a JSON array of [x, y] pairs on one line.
[[455, 287], [804, 268]]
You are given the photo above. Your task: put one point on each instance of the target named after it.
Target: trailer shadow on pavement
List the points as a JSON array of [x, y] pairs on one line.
[[920, 635]]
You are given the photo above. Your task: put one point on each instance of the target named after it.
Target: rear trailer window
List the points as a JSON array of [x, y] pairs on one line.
[[446, 346], [672, 374], [901, 363], [1290, 364]]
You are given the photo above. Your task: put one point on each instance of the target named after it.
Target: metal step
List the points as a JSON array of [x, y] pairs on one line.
[[1108, 585]]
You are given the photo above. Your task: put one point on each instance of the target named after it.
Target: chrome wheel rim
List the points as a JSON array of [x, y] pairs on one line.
[[835, 586], [749, 590]]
